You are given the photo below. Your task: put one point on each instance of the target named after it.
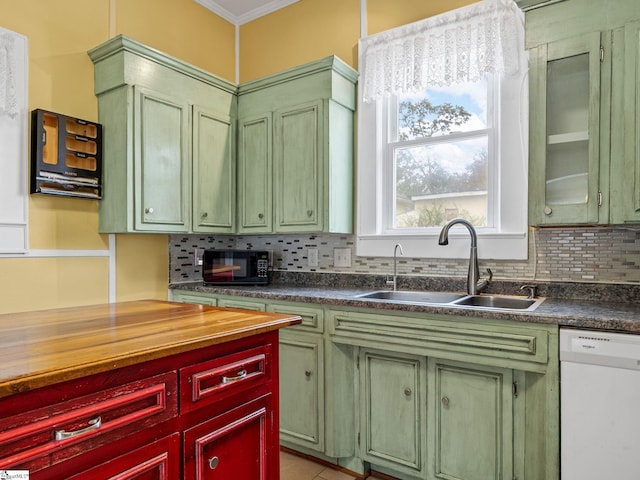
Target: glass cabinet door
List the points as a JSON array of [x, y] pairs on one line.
[[565, 131]]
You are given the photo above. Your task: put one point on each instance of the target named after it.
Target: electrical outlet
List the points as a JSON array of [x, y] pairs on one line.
[[312, 257], [341, 257]]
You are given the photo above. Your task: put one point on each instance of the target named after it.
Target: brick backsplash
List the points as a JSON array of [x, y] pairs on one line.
[[608, 254]]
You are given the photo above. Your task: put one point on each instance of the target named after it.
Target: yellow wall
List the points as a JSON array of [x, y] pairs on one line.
[[312, 29], [302, 32], [61, 79]]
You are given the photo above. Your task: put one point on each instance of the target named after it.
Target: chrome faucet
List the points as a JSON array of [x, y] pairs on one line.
[[474, 286], [395, 266]]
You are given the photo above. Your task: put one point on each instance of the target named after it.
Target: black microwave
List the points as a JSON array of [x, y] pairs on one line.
[[235, 267]]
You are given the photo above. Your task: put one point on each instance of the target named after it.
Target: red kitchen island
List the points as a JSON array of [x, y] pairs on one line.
[[144, 389]]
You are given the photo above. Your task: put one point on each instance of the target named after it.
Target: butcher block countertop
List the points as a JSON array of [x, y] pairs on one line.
[[45, 347]]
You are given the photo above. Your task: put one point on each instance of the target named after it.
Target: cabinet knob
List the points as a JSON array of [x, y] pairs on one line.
[[261, 216], [213, 462], [407, 392], [307, 373], [205, 214], [148, 210], [445, 401], [548, 210], [309, 213]]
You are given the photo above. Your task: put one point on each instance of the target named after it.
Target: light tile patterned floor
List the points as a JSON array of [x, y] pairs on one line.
[[293, 467]]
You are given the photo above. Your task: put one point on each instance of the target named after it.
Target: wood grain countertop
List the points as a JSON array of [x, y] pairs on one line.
[[45, 347]]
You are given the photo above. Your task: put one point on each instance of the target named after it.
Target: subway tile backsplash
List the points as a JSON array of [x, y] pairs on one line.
[[608, 254]]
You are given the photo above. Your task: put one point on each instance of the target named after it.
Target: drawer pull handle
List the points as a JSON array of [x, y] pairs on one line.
[[241, 374], [407, 392], [213, 462], [94, 424]]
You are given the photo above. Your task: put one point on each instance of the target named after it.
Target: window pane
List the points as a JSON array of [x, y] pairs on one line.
[[440, 111], [441, 181]]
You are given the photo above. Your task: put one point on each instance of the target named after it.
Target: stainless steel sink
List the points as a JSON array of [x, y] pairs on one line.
[[499, 302], [495, 302], [407, 296]]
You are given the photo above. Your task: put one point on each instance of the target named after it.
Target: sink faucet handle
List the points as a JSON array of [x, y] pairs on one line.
[[533, 290]]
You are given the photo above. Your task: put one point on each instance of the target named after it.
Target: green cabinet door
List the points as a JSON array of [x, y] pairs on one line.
[[471, 421], [298, 157], [625, 161], [161, 162], [393, 410], [569, 132], [302, 389], [255, 175], [214, 177]]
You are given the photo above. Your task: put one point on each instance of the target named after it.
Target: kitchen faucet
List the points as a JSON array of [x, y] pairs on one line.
[[474, 287], [395, 266]]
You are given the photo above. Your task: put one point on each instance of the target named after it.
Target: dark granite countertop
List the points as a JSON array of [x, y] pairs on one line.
[[612, 309]]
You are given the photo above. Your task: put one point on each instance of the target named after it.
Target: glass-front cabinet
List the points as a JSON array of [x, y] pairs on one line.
[[568, 143]]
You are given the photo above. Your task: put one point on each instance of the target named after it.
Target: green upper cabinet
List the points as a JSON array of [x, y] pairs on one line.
[[295, 150], [569, 101], [584, 162], [625, 174], [169, 160]]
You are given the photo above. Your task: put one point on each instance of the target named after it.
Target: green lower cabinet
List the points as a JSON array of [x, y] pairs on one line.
[[234, 302], [416, 396], [393, 411], [302, 389], [470, 425], [185, 297]]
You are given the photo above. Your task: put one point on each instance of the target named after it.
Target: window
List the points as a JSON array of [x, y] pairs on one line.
[[458, 148], [13, 143], [438, 152]]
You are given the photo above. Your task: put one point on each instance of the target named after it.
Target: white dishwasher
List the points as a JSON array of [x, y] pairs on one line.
[[599, 405]]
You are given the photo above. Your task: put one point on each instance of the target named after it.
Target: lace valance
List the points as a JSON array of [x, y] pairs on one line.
[[457, 46], [8, 67]]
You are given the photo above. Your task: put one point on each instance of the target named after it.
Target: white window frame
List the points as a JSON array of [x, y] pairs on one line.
[[14, 159], [505, 239]]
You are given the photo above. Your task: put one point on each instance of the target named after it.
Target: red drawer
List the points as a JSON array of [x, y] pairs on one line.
[[158, 461], [52, 434], [207, 382]]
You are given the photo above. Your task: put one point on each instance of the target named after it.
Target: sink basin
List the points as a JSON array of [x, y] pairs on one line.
[[413, 297], [495, 302], [499, 302]]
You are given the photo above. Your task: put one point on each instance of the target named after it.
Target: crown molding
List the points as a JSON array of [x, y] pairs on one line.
[[262, 10]]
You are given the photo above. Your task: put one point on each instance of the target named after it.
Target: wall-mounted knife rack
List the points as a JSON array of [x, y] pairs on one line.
[[66, 155]]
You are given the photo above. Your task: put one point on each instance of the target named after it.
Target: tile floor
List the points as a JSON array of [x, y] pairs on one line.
[[293, 467]]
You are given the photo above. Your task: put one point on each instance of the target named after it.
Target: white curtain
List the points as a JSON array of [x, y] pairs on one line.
[[457, 46], [8, 67]]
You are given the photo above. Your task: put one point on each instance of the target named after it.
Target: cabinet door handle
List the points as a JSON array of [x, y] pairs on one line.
[[239, 376], [445, 401], [148, 210], [407, 391], [205, 214], [309, 213], [261, 216], [94, 424], [307, 373], [213, 463]]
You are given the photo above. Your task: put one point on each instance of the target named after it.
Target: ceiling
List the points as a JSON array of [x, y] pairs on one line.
[[243, 11]]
